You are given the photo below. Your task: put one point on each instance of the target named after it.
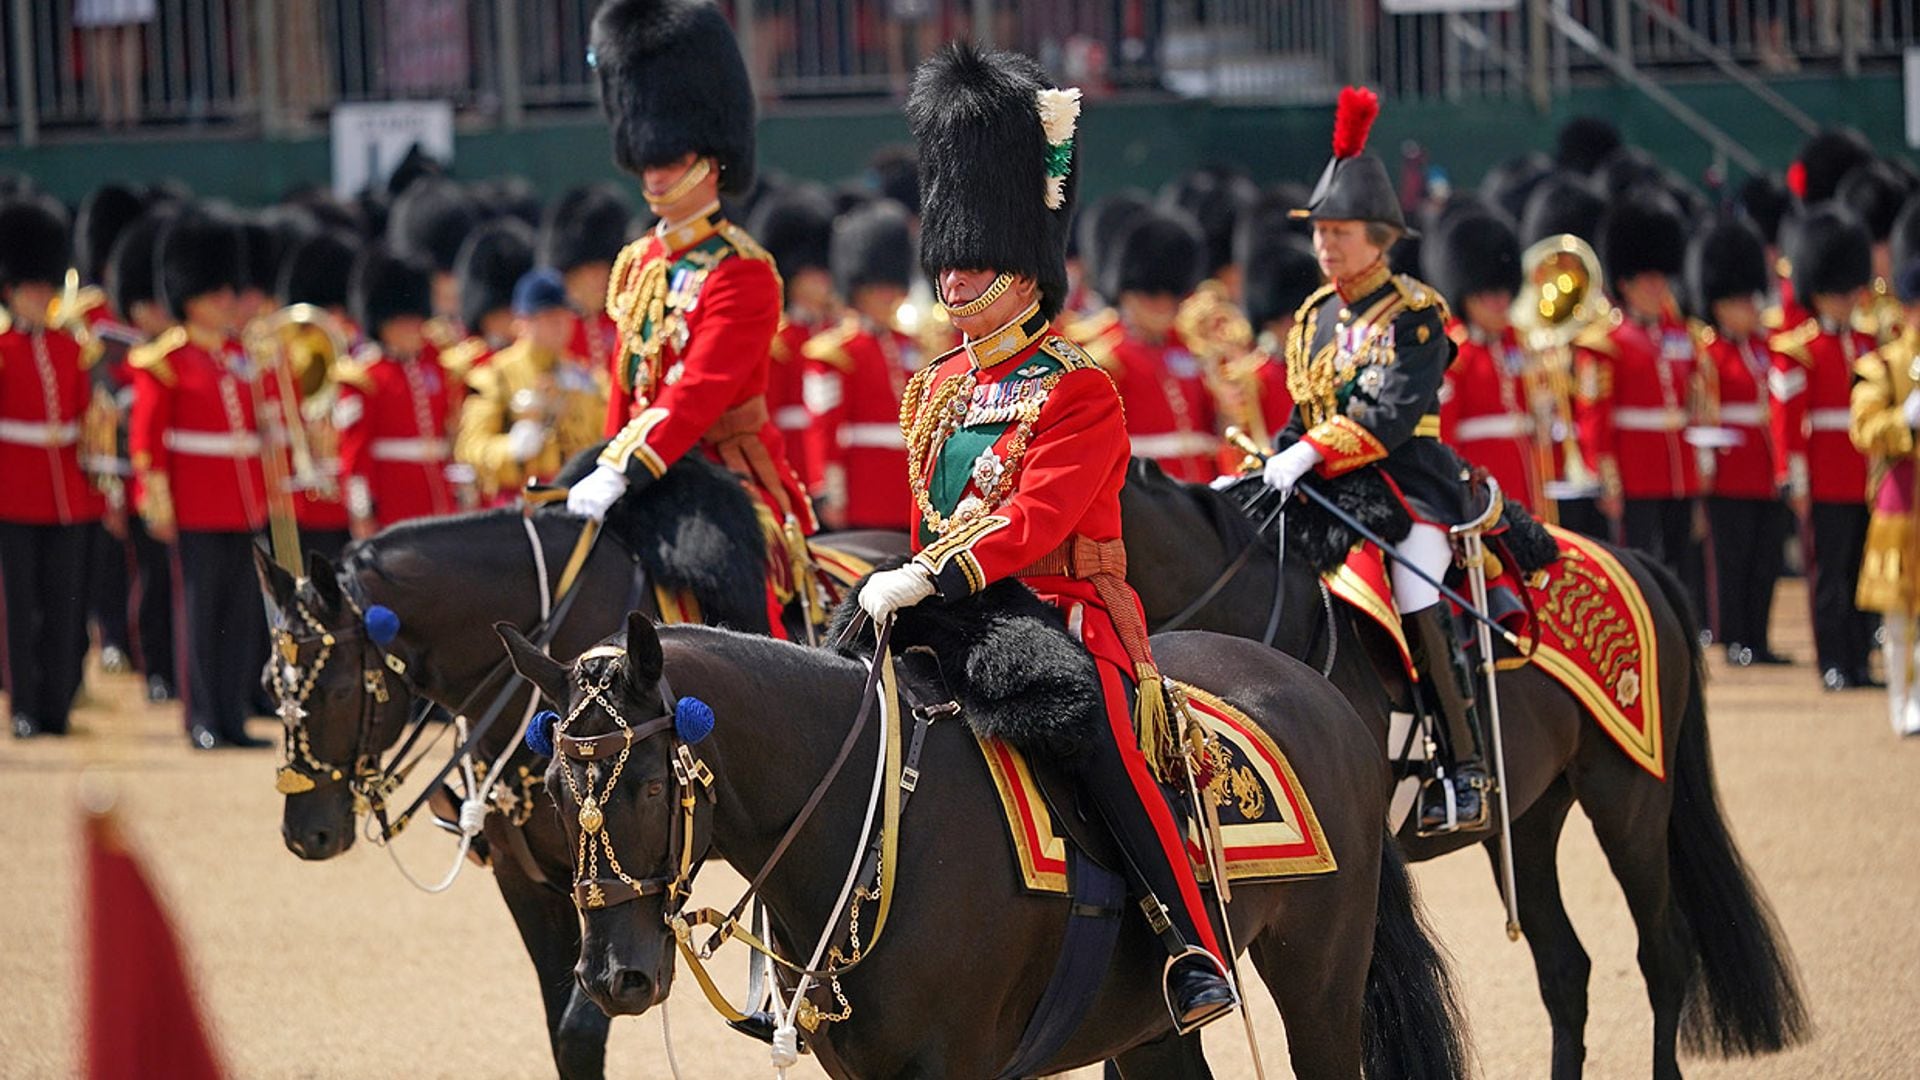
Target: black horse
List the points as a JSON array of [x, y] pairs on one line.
[[968, 950], [1719, 974], [449, 580]]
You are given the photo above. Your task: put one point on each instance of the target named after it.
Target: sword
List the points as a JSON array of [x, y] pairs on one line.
[[1475, 551]]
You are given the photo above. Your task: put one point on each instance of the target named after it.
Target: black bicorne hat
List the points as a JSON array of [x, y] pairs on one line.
[[1642, 233], [795, 225], [1726, 260], [317, 270], [872, 246], [672, 83], [586, 225], [1473, 252], [384, 286], [430, 220], [1831, 252], [997, 170], [199, 250], [490, 263], [34, 242], [1355, 185], [1163, 252], [105, 211]]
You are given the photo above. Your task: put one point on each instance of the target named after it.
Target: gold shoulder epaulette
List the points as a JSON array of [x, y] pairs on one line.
[[1797, 342], [830, 346], [1597, 336], [1085, 330], [1072, 357], [459, 360], [1458, 332], [743, 244], [1313, 301], [1419, 295], [352, 371], [155, 356], [442, 333], [1703, 335]]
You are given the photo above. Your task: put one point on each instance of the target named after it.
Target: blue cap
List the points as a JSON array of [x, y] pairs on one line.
[[538, 290], [1906, 283]]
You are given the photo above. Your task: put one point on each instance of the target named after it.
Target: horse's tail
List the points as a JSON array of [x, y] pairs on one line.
[[1748, 998], [1415, 1027]]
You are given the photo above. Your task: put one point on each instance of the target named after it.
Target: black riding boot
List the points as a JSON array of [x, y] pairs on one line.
[[1462, 787]]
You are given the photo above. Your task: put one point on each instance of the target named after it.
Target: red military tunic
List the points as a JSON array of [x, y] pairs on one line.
[[195, 432], [786, 391], [1170, 411], [1750, 468], [697, 309], [1812, 387], [1496, 410], [1634, 404], [855, 376], [44, 395], [393, 417]]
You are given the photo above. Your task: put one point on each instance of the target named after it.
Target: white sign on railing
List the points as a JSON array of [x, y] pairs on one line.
[[370, 138], [1439, 7], [1912, 96]]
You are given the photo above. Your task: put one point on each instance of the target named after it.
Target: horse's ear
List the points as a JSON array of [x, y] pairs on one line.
[[276, 584], [644, 659], [548, 675], [325, 579]]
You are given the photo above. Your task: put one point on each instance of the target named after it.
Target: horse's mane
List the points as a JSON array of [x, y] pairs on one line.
[[1234, 528]]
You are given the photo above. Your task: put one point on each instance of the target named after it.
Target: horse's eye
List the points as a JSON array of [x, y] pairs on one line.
[[655, 788]]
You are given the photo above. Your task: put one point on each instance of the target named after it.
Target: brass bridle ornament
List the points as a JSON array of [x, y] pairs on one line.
[[293, 685]]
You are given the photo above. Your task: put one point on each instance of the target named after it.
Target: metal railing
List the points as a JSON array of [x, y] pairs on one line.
[[280, 64]]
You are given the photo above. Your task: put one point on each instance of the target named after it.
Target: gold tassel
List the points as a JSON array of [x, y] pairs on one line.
[[1150, 719]]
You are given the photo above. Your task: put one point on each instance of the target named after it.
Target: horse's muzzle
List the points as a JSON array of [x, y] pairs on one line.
[[623, 991]]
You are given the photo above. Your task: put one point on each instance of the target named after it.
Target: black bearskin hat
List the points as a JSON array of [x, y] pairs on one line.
[[872, 246], [997, 178], [1630, 167], [1099, 230], [509, 196], [1643, 232], [1562, 204], [1766, 202], [1278, 273], [384, 286], [131, 266], [1162, 253], [199, 251], [1216, 197], [586, 225], [416, 165], [317, 270], [895, 175], [796, 227], [672, 83], [1355, 185], [1585, 143], [1874, 192], [1508, 184], [1824, 160], [430, 220], [34, 242], [490, 262], [1473, 252], [1831, 252], [1903, 242], [261, 269], [1726, 260], [105, 211]]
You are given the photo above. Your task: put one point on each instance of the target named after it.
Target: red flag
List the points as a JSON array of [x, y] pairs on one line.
[[141, 1020]]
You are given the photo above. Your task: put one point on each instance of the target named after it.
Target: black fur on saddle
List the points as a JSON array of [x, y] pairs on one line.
[[695, 529], [1529, 543], [1003, 654]]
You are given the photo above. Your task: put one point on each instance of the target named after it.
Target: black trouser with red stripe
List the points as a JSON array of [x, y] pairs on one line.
[[1663, 529], [1842, 633], [224, 624], [109, 583], [1748, 539], [150, 602], [44, 572]]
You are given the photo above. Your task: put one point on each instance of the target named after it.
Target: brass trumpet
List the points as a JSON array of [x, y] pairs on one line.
[[1560, 298]]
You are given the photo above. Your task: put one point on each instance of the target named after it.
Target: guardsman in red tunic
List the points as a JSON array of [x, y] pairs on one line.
[[494, 258], [316, 272], [395, 412], [581, 235], [133, 290], [1171, 413], [1826, 475], [431, 218], [48, 508], [697, 301], [796, 228], [1639, 384], [1018, 451], [1277, 275], [1496, 406], [856, 373], [1728, 278], [197, 471]]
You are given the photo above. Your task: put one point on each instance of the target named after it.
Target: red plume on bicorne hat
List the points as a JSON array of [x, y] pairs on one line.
[[1353, 117]]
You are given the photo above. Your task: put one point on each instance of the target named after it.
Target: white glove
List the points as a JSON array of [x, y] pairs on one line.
[[1285, 468], [887, 591], [1910, 408], [590, 497], [525, 439]]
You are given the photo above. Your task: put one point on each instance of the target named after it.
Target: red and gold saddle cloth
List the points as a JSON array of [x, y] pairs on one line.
[[1265, 817], [1590, 628]]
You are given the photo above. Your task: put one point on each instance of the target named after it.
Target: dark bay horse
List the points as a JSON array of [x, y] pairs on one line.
[[948, 991], [1720, 976], [449, 580]]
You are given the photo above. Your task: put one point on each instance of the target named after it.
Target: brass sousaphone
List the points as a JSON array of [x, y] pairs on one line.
[[299, 348], [1561, 296]]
